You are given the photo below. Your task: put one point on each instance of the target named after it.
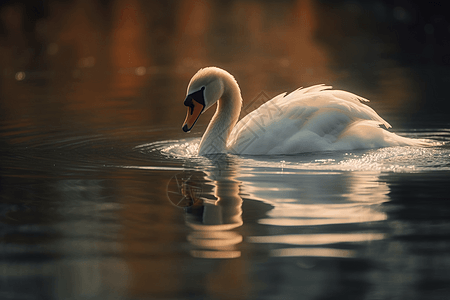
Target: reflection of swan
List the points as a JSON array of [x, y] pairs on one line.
[[329, 209], [213, 221], [309, 119]]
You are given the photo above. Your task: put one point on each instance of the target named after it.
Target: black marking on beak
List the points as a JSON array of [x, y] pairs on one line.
[[197, 96], [196, 105]]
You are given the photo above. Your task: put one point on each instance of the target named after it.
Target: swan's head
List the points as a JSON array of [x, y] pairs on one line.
[[204, 89]]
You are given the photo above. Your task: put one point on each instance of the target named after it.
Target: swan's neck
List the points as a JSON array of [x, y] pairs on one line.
[[215, 138]]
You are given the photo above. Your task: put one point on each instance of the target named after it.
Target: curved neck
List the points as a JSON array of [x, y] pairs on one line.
[[215, 138]]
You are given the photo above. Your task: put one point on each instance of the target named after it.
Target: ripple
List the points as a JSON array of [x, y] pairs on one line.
[[399, 159], [68, 153], [177, 149], [389, 159]]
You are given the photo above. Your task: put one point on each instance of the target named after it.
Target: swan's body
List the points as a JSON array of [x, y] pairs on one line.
[[306, 120]]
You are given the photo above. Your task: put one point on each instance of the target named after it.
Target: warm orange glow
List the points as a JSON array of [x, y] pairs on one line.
[[309, 60], [215, 254], [129, 41], [80, 30], [193, 20]]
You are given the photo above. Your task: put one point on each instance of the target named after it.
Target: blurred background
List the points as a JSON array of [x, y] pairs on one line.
[[89, 64]]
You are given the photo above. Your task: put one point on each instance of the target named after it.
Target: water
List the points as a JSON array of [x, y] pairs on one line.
[[102, 216], [103, 196]]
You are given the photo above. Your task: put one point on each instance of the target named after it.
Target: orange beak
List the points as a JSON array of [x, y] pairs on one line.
[[194, 110]]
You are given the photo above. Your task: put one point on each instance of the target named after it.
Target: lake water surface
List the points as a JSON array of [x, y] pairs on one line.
[[103, 196]]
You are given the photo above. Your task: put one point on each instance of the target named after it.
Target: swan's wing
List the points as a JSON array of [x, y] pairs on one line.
[[322, 97], [310, 115], [297, 94]]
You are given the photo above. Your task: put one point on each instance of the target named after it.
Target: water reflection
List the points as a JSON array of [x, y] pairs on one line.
[[315, 208], [321, 202], [213, 206]]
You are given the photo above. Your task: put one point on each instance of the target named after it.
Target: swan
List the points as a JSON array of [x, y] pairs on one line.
[[310, 119]]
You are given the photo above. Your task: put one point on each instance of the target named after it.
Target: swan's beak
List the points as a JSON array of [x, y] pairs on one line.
[[194, 110]]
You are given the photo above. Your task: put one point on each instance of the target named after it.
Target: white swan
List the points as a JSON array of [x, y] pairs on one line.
[[306, 120]]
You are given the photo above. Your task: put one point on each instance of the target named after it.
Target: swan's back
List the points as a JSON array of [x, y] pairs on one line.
[[312, 119]]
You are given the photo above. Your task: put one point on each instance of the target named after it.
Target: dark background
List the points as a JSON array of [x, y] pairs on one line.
[[77, 62]]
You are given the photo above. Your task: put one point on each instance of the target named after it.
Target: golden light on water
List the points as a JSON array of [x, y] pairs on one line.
[[322, 214], [214, 239], [212, 234], [215, 244], [312, 252], [356, 215], [215, 254], [317, 239], [310, 204]]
